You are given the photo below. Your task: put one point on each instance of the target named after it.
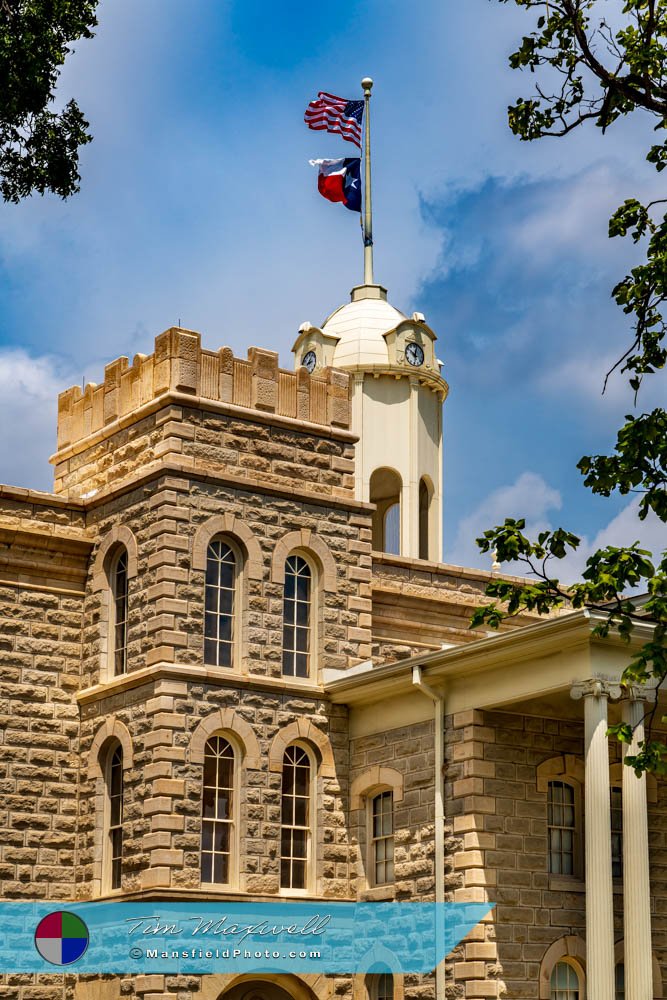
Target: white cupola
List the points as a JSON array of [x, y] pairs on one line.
[[397, 396]]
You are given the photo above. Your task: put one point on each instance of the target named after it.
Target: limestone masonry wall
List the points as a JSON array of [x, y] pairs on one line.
[[497, 838], [410, 752], [239, 447], [180, 369], [43, 563], [162, 827], [166, 596], [419, 606]]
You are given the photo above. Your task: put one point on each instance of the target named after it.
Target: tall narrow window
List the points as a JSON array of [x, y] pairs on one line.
[[119, 590], [382, 987], [295, 819], [297, 617], [616, 832], [382, 818], [219, 612], [561, 825], [424, 504], [620, 981], [217, 811], [115, 806], [565, 983]]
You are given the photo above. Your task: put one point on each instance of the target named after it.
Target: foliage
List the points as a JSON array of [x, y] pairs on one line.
[[39, 147], [586, 69]]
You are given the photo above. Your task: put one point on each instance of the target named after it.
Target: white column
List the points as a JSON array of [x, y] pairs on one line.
[[600, 975], [410, 512], [636, 885]]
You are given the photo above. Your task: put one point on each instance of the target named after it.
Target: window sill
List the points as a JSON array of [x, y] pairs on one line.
[[377, 894], [106, 894]]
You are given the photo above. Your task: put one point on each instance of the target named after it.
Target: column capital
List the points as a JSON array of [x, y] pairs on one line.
[[596, 687], [639, 692]]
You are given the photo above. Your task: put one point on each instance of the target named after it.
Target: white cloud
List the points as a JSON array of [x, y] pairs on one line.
[[29, 387], [582, 374], [529, 497], [624, 529], [571, 218]]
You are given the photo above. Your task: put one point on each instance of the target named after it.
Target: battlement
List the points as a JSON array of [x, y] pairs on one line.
[[180, 366]]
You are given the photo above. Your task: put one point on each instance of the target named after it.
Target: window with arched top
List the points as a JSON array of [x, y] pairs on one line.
[[113, 847], [382, 838], [566, 983], [424, 515], [119, 595], [297, 617], [296, 816], [562, 823], [218, 811], [222, 565]]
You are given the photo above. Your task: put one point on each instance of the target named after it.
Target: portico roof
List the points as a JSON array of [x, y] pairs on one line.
[[532, 663]]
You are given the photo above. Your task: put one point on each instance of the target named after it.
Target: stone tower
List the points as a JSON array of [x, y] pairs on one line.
[[397, 396]]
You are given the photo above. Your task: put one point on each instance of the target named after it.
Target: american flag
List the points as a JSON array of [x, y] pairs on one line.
[[335, 114]]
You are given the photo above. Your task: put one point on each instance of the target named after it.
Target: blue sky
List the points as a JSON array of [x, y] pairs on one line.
[[198, 204]]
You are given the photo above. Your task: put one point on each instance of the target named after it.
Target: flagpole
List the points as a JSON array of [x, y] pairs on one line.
[[367, 85]]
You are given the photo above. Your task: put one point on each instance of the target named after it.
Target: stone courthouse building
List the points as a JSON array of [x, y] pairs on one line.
[[235, 667]]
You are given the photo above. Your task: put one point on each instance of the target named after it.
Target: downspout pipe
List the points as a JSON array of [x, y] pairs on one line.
[[439, 702]]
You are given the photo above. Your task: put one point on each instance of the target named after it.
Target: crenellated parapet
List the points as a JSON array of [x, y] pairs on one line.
[[179, 366], [206, 413]]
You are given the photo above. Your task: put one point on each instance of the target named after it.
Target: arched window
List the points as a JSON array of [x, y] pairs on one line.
[[297, 638], [381, 986], [561, 824], [424, 511], [565, 983], [616, 832], [385, 492], [296, 809], [217, 811], [221, 576], [119, 593], [620, 981], [114, 811], [382, 838]]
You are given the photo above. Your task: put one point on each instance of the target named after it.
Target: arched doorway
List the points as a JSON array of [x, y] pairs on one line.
[[257, 989], [281, 986]]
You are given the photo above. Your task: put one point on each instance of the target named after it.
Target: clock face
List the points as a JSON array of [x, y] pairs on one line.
[[414, 355], [309, 360]]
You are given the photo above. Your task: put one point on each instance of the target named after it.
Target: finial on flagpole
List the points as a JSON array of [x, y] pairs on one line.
[[367, 85]]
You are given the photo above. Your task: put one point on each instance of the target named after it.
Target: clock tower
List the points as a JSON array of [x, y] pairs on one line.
[[397, 396]]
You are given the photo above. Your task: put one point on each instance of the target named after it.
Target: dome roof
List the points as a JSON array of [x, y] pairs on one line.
[[360, 325]]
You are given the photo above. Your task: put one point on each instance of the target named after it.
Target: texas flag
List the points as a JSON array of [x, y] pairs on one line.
[[340, 180]]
